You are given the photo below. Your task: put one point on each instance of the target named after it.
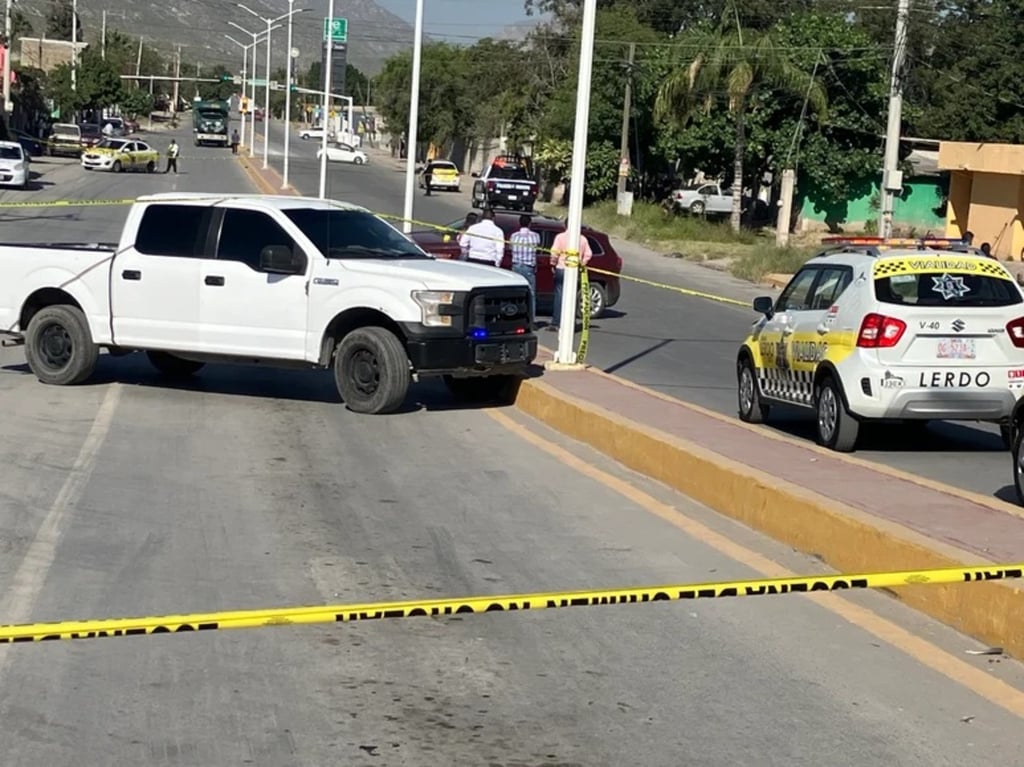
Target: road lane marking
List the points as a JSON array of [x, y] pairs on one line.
[[977, 681], [30, 577]]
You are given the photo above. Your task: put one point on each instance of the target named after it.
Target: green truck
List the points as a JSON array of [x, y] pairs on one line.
[[211, 123]]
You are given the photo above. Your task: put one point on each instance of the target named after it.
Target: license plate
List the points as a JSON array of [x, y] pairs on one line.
[[507, 352], [956, 349], [512, 196]]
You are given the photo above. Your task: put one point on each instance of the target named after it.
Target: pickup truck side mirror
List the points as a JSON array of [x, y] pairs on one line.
[[764, 305], [280, 259]]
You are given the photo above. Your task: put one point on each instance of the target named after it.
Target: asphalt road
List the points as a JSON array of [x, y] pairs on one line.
[[249, 488], [682, 346]]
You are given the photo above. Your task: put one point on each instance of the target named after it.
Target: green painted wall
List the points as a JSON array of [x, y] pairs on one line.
[[919, 208]]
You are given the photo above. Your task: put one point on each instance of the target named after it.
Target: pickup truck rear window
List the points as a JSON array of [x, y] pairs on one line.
[[951, 290], [352, 234], [172, 230]]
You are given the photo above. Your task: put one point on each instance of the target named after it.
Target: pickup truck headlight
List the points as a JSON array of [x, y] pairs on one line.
[[437, 307]]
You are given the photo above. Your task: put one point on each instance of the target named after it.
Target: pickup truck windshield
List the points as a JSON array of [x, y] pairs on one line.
[[349, 234]]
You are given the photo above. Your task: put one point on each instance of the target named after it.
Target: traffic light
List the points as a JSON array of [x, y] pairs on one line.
[[227, 78], [294, 88]]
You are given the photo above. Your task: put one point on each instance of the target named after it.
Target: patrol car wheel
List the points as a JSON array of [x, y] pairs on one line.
[[837, 429], [751, 409]]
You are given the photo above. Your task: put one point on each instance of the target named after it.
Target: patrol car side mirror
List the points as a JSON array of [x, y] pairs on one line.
[[764, 305]]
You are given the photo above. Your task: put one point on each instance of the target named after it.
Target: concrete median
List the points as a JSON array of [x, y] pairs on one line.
[[847, 536]]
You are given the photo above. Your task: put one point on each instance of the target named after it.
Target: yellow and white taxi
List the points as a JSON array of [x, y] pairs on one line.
[[889, 330], [443, 175], [118, 154]]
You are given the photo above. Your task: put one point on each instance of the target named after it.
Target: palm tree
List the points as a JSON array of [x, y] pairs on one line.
[[738, 64]]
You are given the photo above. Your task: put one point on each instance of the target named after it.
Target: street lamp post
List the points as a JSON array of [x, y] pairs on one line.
[[255, 40], [266, 111], [414, 118], [8, 107], [327, 106], [288, 96], [567, 331], [245, 69]]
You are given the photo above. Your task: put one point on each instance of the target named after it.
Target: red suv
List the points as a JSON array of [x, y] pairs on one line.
[[604, 288]]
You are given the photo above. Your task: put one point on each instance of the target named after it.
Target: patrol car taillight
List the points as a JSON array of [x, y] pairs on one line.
[[1015, 329], [880, 332]]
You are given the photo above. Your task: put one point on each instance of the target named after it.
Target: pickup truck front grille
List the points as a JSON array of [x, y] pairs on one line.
[[504, 311]]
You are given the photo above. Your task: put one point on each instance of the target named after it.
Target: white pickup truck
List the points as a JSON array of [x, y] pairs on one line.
[[283, 281]]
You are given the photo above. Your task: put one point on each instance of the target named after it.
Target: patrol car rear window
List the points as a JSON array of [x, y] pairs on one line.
[[947, 289]]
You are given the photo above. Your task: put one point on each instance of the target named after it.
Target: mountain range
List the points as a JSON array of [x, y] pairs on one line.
[[200, 26]]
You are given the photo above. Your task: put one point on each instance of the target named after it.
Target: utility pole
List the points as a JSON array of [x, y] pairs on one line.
[[8, 106], [198, 70], [74, 45], [138, 60], [627, 106], [892, 177], [177, 74], [103, 36]]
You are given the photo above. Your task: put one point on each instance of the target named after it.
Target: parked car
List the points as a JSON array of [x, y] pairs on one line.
[[130, 127], [118, 154], [65, 139], [507, 183], [14, 165], [604, 288], [117, 128], [32, 146], [92, 134]]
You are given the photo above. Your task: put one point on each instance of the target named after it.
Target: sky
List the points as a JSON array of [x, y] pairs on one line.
[[460, 18]]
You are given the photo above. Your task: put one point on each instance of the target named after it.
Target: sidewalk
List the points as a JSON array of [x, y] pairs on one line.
[[856, 516]]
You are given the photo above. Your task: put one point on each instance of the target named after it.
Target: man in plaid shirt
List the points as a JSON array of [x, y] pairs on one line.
[[524, 245]]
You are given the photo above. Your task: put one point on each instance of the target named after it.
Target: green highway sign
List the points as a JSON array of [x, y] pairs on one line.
[[336, 30]]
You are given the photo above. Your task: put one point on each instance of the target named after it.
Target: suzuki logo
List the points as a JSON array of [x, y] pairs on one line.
[[958, 325]]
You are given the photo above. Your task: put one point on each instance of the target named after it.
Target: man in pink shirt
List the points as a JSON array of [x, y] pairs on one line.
[[559, 252]]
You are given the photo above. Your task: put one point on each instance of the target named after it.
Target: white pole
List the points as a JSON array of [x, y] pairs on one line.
[[252, 97], [74, 45], [266, 109], [414, 118], [351, 122], [245, 72], [577, 183], [327, 101], [288, 96], [892, 134], [8, 106]]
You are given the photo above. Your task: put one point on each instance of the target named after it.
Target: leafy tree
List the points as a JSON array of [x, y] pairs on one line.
[[61, 21], [136, 102], [21, 26], [733, 67], [98, 85]]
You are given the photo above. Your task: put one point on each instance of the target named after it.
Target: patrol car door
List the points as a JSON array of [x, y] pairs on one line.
[[809, 339], [776, 334]]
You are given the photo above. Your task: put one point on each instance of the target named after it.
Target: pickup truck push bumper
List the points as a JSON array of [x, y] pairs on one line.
[[503, 354]]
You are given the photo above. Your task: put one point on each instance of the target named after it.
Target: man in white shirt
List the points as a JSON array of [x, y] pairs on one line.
[[484, 242]]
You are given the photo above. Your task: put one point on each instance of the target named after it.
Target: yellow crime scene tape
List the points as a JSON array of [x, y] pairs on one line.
[[436, 608], [572, 259]]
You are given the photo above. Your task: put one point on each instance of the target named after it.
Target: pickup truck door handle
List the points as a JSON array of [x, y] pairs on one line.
[[131, 274], [212, 279]]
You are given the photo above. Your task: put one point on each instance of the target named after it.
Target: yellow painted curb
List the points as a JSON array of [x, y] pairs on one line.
[[846, 538]]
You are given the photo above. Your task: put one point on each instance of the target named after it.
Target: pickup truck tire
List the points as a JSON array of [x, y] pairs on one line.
[[697, 208], [59, 346], [501, 389], [371, 371], [175, 367]]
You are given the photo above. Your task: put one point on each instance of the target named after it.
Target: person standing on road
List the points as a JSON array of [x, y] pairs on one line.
[[172, 157], [524, 258], [428, 176], [484, 242], [234, 141], [559, 254]]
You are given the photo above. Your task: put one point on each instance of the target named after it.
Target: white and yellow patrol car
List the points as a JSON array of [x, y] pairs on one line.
[[887, 330], [117, 155]]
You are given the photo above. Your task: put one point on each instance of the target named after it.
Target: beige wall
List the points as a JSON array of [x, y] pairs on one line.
[[986, 194], [46, 55]]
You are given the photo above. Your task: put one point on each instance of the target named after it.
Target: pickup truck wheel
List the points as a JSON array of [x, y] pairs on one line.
[[371, 371], [59, 346], [502, 389], [697, 208], [176, 367]]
